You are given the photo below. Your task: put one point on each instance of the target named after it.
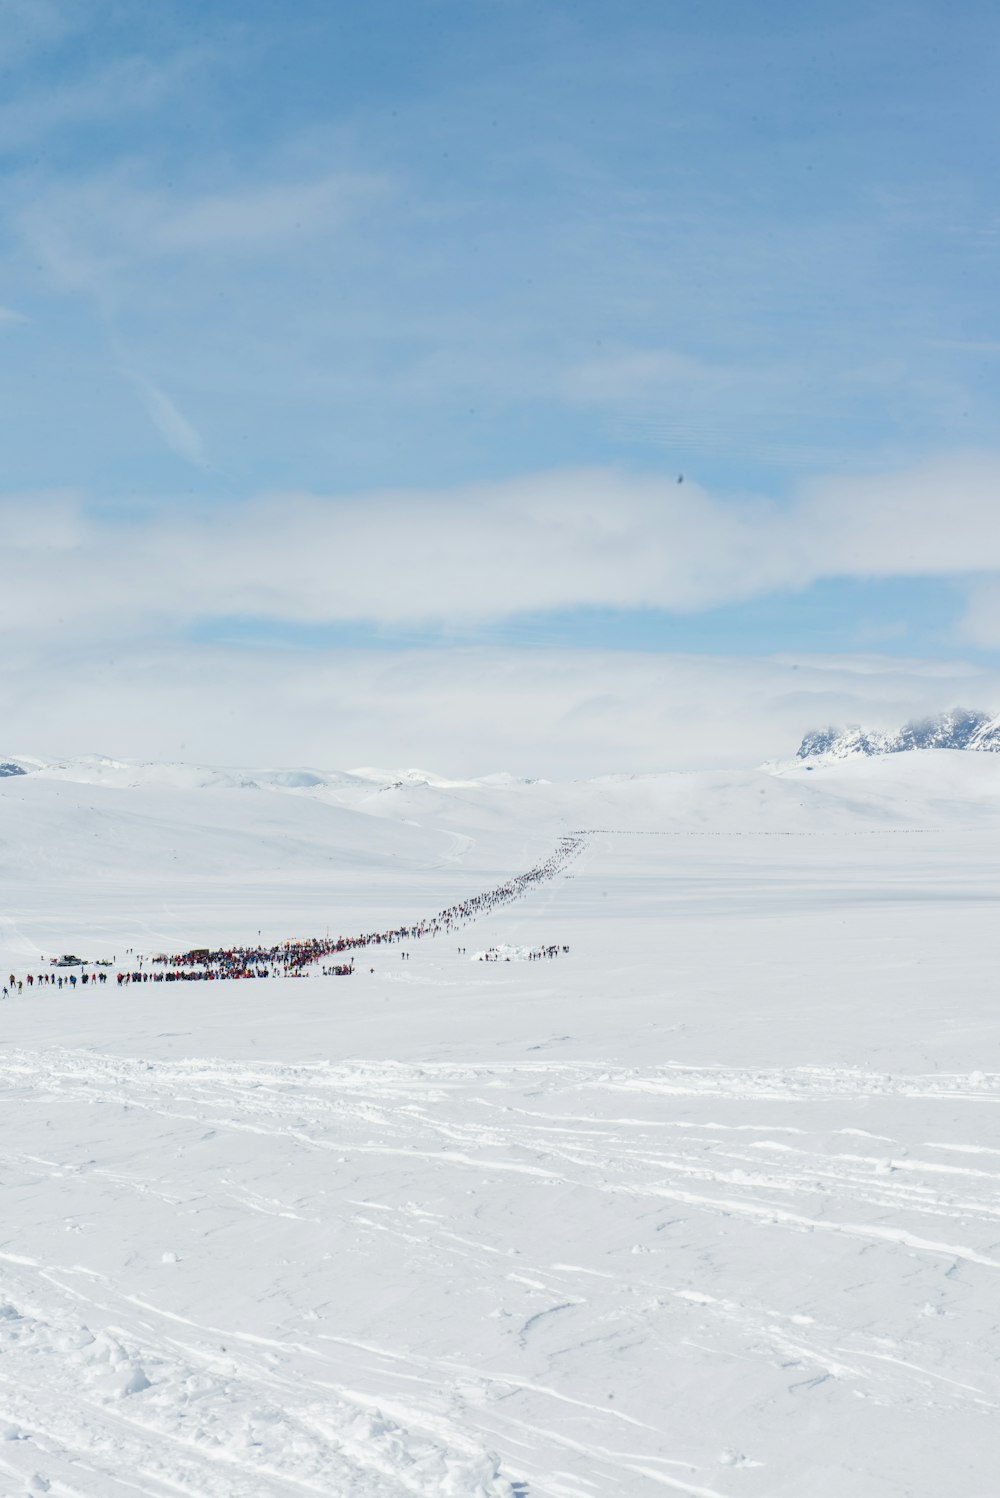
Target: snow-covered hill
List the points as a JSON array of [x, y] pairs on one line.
[[832, 788], [99, 769], [98, 854]]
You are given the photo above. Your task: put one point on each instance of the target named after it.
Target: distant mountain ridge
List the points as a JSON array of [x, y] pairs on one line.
[[101, 770], [961, 728]]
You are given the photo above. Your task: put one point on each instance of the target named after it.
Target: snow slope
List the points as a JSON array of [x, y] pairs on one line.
[[708, 1205]]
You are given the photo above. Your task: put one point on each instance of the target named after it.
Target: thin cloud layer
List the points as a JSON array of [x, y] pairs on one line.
[[553, 713], [479, 554]]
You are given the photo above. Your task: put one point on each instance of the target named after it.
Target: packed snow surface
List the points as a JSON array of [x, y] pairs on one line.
[[709, 1205]]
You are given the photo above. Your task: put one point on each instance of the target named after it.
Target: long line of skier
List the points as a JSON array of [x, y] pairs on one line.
[[290, 958]]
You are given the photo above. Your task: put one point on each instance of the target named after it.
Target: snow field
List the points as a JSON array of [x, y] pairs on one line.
[[710, 1205]]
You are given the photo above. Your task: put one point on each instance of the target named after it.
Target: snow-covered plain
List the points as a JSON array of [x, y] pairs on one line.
[[709, 1204]]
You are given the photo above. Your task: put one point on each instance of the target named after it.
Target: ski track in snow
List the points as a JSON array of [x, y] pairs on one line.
[[106, 1381]]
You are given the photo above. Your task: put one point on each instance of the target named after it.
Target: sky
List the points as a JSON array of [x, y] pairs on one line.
[[560, 388]]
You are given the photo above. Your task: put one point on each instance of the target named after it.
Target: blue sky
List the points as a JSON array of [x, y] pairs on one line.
[[409, 257]]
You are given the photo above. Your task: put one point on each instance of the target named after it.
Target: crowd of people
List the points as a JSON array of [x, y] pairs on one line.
[[54, 980], [291, 958], [185, 975], [519, 954]]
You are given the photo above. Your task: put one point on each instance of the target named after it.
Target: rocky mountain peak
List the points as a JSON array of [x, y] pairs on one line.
[[960, 728]]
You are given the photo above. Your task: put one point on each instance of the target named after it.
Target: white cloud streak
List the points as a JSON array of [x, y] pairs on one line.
[[177, 431], [126, 84], [90, 233], [29, 26], [270, 212], [484, 553]]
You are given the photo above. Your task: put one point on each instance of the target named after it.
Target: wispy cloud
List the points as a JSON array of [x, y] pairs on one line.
[[402, 277], [121, 87], [30, 26], [89, 233], [639, 373], [177, 431], [264, 213]]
